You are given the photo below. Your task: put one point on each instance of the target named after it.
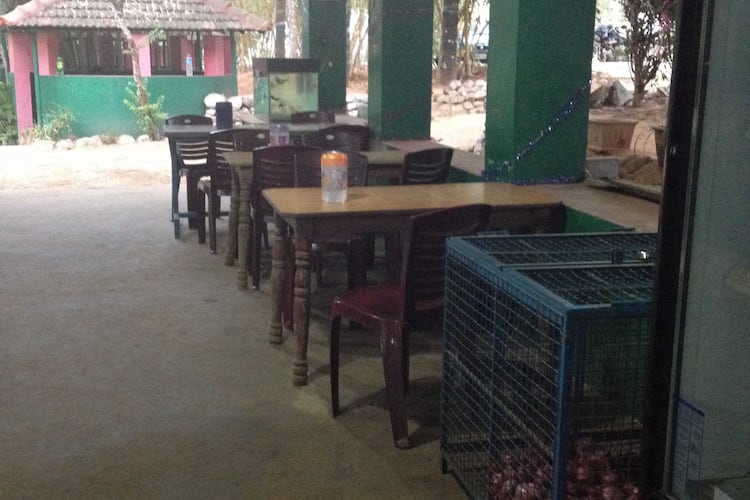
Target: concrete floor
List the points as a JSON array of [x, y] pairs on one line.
[[132, 367]]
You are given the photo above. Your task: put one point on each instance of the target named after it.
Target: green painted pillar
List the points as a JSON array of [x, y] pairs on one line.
[[400, 68], [538, 90], [324, 37]]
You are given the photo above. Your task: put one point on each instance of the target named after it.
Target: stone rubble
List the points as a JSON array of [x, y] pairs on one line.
[[460, 97]]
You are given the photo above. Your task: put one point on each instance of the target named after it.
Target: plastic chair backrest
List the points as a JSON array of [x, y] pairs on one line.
[[189, 120], [423, 275], [247, 139], [308, 168], [428, 166], [276, 166], [312, 117], [219, 141], [190, 153], [340, 137]]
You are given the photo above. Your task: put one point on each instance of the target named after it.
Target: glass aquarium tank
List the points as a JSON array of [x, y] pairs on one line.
[[284, 86]]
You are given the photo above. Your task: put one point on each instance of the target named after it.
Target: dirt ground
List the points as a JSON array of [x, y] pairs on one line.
[[33, 166]]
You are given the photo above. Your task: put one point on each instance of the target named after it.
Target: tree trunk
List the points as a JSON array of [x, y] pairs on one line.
[[356, 42], [447, 59], [153, 133], [280, 41]]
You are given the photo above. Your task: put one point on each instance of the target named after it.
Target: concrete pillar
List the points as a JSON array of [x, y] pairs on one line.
[[22, 66], [400, 68], [48, 48], [144, 53], [537, 90], [216, 55], [324, 37]]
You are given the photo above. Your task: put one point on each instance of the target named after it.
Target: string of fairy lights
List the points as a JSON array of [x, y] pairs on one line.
[[504, 170]]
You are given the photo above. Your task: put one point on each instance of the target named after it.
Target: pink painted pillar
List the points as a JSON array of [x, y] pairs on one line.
[[47, 49], [22, 65], [217, 55], [144, 53]]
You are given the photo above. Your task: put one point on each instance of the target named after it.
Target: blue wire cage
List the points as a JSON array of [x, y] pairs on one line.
[[538, 357]]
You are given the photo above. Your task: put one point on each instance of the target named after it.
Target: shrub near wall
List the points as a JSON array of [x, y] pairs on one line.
[[8, 128]]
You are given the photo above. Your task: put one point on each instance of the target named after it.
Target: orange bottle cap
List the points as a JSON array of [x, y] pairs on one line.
[[334, 159]]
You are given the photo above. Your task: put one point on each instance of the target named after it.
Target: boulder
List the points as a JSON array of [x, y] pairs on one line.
[[619, 95], [65, 144], [236, 102], [125, 139], [43, 145], [211, 99]]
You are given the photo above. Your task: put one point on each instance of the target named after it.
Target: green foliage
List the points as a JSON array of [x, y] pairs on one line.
[[253, 43], [8, 128], [148, 115], [56, 124]]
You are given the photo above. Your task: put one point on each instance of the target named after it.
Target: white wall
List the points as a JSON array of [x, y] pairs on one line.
[[716, 368]]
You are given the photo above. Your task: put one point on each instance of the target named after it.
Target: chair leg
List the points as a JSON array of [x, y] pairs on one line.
[[394, 383], [255, 268], [287, 299], [192, 197], [200, 217], [334, 362], [405, 358], [212, 214], [265, 236], [316, 263], [356, 265]]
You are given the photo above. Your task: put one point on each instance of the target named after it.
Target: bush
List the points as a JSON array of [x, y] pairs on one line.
[[149, 115], [57, 123], [8, 127]]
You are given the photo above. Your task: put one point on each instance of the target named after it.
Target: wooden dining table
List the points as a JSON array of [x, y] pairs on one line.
[[385, 164], [380, 209], [187, 133], [241, 163]]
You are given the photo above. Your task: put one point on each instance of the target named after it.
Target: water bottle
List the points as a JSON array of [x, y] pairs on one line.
[[189, 65], [334, 166]]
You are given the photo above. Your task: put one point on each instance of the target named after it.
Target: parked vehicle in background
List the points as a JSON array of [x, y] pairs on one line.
[[610, 42], [480, 49]]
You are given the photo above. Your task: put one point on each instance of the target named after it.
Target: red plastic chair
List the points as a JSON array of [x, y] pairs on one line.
[[390, 309]]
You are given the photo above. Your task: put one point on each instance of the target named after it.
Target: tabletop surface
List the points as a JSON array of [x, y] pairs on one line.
[[294, 128], [382, 157], [307, 202]]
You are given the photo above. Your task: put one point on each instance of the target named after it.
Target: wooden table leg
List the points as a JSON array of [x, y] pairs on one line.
[[243, 230], [234, 208], [278, 275], [301, 308]]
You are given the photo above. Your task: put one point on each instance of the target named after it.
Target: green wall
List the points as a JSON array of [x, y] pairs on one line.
[[537, 90], [400, 68], [575, 220], [97, 101], [325, 38]]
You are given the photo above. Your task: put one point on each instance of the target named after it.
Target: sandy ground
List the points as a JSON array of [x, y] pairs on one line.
[[32, 167]]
